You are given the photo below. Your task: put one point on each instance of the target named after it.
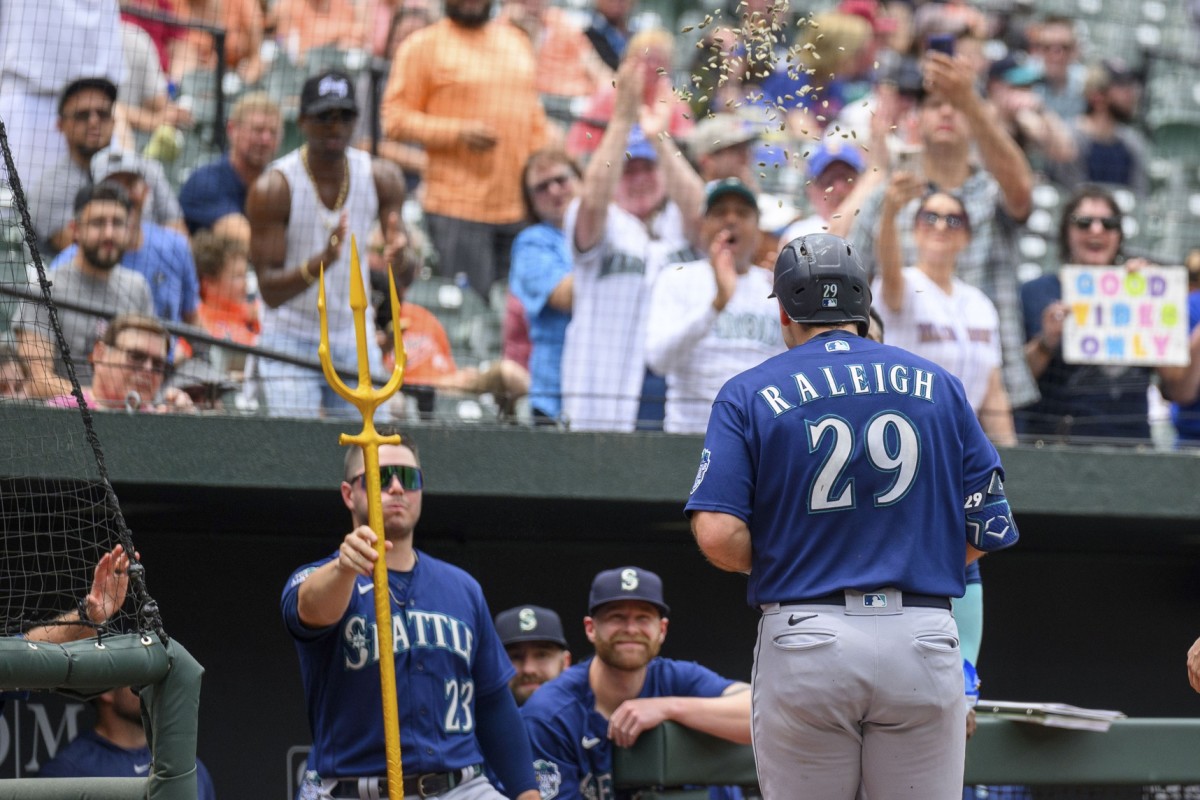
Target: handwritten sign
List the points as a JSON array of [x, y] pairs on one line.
[[1120, 316]]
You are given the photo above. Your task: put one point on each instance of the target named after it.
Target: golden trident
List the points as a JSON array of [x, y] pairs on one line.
[[366, 399]]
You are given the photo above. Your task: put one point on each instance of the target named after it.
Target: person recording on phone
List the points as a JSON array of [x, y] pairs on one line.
[[964, 150]]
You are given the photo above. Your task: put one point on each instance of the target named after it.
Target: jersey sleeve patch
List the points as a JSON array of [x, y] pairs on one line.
[[548, 778], [990, 524], [705, 460], [300, 577]]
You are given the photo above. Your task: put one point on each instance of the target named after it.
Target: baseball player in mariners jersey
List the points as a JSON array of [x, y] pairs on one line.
[[623, 690], [451, 671], [852, 481]]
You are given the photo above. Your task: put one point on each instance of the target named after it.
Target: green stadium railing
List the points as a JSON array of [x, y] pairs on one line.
[[1133, 752]]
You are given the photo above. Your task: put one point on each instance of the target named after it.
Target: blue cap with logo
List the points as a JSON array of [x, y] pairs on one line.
[[638, 146], [529, 624], [831, 150], [627, 583]]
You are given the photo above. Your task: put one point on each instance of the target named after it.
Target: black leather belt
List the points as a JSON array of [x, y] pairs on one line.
[[839, 599], [430, 784]]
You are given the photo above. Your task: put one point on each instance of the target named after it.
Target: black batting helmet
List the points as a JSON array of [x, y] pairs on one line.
[[820, 280]]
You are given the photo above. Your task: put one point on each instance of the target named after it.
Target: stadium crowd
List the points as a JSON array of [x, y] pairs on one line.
[[576, 203]]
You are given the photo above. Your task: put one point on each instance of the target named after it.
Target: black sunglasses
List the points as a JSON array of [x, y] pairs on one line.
[[411, 479], [1085, 223], [953, 221], [326, 117], [85, 114]]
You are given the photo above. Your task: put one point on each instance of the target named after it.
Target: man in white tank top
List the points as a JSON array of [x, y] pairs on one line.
[[303, 211]]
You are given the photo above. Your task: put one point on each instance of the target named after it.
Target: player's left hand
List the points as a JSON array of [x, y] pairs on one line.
[[1193, 662], [110, 582], [635, 716]]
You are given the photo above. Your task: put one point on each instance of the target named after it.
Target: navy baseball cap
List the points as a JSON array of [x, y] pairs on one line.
[[718, 189], [627, 583], [530, 624], [831, 150], [328, 91]]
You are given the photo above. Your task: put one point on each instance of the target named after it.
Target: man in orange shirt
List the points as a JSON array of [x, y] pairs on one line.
[[465, 89]]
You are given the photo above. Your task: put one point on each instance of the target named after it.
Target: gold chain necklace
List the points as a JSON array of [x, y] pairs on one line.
[[342, 192]]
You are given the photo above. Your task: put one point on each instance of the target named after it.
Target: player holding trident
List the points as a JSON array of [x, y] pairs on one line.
[[450, 670]]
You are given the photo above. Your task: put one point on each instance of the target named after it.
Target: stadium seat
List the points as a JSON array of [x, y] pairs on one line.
[[468, 320]]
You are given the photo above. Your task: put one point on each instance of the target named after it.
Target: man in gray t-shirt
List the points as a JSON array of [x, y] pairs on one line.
[[94, 278]]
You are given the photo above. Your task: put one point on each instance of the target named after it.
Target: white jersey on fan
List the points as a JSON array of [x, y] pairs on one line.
[[959, 331], [698, 349], [604, 351]]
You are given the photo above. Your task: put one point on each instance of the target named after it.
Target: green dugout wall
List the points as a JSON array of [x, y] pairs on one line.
[[1096, 606]]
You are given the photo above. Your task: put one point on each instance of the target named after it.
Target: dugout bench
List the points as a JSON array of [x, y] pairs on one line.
[[1132, 752]]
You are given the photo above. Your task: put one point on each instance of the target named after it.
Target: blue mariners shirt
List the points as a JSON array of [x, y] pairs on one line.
[[90, 755], [850, 462], [572, 755], [447, 653]]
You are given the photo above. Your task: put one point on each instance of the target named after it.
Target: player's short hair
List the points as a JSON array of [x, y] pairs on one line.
[[211, 252], [107, 191], [353, 461]]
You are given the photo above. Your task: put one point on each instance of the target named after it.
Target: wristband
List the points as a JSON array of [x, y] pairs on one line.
[[309, 278]]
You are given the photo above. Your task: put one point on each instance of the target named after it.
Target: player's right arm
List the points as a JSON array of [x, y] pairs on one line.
[[554, 742], [324, 595]]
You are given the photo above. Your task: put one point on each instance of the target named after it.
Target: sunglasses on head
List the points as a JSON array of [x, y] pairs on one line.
[[1085, 223], [954, 222], [411, 478]]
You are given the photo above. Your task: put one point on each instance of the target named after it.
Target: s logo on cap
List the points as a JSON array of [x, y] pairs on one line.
[[629, 580], [527, 619]]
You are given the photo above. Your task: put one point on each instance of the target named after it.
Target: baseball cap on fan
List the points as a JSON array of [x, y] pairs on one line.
[[115, 161], [329, 91], [530, 624], [831, 150], [627, 583]]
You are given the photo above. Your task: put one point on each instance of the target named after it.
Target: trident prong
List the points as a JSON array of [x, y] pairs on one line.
[[367, 399]]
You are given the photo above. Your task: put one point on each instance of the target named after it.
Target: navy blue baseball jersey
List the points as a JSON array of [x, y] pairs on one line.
[[572, 755], [447, 653], [90, 755], [850, 461]]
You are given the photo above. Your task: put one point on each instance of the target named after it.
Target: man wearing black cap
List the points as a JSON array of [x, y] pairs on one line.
[[626, 689], [533, 638], [85, 118], [711, 319], [303, 211]]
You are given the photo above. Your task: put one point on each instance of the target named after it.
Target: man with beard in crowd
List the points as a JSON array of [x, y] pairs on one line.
[[94, 277]]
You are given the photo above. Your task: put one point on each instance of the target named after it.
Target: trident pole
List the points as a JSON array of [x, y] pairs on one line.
[[366, 399]]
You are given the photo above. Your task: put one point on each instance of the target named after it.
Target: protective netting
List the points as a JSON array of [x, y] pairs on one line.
[[59, 516]]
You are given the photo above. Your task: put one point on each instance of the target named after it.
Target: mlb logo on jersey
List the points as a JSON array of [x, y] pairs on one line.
[[875, 600], [837, 345], [548, 778]]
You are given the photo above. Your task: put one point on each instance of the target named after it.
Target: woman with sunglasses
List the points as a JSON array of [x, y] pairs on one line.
[[541, 274], [929, 311], [1087, 400]]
